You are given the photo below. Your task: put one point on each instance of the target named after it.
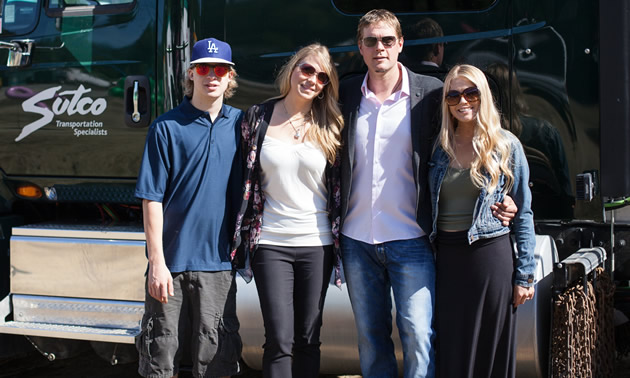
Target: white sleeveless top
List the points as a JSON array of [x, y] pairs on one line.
[[294, 184]]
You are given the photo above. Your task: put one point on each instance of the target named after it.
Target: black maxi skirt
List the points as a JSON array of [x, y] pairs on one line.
[[475, 318]]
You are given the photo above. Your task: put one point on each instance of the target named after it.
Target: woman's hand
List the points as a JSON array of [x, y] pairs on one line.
[[505, 211], [522, 294]]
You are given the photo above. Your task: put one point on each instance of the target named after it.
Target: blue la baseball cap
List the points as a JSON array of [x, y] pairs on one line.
[[211, 50]]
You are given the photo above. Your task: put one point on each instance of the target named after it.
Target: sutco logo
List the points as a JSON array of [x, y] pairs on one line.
[[76, 104]]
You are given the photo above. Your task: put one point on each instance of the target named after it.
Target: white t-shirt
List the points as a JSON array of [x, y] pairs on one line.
[[294, 184]]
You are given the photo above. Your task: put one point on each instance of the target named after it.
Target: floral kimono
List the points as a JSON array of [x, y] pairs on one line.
[[249, 218]]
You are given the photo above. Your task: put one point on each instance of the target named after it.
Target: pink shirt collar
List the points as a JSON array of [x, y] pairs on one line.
[[404, 89]]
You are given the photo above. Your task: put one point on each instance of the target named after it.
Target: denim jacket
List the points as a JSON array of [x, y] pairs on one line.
[[486, 225]]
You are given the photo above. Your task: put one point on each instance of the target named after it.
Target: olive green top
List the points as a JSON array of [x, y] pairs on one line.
[[458, 196]]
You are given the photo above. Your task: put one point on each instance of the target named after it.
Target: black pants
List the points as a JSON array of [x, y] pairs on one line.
[[292, 284]]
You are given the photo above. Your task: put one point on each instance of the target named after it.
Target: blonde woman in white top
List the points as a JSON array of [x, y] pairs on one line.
[[287, 229]]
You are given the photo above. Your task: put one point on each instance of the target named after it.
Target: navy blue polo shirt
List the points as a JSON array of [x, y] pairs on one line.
[[187, 165]]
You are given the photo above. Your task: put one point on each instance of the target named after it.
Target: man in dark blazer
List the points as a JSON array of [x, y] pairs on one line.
[[391, 120]]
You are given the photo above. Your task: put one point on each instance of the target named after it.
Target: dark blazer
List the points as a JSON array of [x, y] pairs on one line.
[[426, 94]]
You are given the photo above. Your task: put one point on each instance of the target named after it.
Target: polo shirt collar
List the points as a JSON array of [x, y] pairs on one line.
[[189, 111]]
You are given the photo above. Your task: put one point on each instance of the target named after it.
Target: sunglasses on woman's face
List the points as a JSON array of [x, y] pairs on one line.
[[471, 94], [308, 70], [220, 70]]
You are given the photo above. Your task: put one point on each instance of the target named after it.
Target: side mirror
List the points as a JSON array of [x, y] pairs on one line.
[[19, 52]]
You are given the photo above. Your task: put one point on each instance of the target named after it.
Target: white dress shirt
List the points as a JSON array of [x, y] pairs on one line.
[[382, 203]]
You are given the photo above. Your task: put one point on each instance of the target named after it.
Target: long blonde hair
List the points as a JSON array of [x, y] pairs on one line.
[[491, 147], [326, 117]]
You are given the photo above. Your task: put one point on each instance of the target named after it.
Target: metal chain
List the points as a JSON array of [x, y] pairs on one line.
[[605, 292], [582, 343]]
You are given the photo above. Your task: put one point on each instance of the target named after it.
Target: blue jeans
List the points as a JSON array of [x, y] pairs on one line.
[[372, 271]]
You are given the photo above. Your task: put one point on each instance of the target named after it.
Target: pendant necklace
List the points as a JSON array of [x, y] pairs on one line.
[[297, 131], [297, 134]]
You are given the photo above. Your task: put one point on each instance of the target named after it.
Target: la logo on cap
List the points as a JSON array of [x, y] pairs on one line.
[[212, 48]]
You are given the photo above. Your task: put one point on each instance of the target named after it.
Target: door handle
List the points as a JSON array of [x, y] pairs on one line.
[[137, 101], [135, 116]]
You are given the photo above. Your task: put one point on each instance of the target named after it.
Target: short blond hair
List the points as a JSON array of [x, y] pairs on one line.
[[374, 17]]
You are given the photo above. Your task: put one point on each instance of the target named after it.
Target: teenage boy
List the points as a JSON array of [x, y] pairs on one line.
[[188, 164]]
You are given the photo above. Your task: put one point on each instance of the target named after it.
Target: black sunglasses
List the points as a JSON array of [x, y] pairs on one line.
[[471, 94], [308, 70], [388, 41]]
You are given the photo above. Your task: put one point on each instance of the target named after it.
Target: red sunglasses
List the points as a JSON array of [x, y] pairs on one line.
[[308, 70], [220, 70]]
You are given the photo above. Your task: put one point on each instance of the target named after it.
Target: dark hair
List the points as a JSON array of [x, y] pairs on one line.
[[510, 106], [426, 28]]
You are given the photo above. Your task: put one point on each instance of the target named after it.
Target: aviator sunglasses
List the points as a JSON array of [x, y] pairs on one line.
[[388, 41], [308, 70], [471, 94], [203, 69]]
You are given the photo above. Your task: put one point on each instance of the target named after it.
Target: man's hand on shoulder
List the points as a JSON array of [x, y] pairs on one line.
[[160, 282], [505, 211]]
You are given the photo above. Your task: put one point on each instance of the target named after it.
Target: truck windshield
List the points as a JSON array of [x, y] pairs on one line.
[[416, 6], [19, 16], [73, 8], [74, 3]]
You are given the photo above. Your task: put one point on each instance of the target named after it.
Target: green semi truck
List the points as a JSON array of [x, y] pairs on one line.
[[81, 81]]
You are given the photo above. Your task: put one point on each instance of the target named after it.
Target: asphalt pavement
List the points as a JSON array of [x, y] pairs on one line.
[[86, 363]]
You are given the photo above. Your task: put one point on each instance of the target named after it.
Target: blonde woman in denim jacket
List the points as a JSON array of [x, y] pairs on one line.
[[480, 282]]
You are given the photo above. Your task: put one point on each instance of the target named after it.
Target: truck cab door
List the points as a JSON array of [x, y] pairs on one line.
[[77, 81]]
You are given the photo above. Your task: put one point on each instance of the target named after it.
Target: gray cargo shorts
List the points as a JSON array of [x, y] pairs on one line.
[[200, 319]]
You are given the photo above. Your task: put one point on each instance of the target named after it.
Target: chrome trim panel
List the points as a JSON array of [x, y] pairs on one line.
[[77, 267], [533, 326], [5, 307], [45, 240], [83, 231]]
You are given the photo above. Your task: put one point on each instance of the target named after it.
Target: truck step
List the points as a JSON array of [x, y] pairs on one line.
[[124, 336], [71, 318]]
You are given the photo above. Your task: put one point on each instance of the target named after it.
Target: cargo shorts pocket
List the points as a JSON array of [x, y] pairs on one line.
[[230, 344], [144, 340], [208, 343]]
